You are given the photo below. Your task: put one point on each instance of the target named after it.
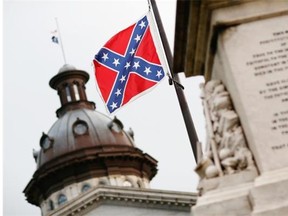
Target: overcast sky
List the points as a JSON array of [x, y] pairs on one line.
[[30, 60]]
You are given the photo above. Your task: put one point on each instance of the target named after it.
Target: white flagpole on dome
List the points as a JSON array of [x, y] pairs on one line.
[[160, 38], [61, 42]]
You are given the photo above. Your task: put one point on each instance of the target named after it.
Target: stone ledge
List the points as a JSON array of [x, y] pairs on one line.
[[278, 209], [128, 196], [232, 201], [269, 196], [232, 180]]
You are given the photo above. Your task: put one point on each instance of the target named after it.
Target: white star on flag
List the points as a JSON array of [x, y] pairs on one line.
[[118, 92], [138, 38], [136, 65], [116, 62], [122, 79], [105, 56], [132, 51], [159, 74], [127, 65], [113, 105], [142, 24], [147, 70]]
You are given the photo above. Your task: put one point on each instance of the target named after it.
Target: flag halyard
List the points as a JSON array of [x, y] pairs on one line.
[[127, 66]]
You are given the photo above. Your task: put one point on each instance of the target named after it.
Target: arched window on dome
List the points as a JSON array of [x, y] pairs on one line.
[[61, 199], [139, 184], [127, 183], [103, 182], [85, 188], [46, 142], [115, 125], [50, 205], [80, 127]]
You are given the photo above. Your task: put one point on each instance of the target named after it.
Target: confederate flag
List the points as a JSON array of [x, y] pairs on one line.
[[127, 65]]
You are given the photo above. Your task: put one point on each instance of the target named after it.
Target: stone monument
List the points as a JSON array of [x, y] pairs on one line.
[[241, 47]]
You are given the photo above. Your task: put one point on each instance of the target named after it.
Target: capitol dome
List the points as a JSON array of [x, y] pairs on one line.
[[82, 129], [84, 145]]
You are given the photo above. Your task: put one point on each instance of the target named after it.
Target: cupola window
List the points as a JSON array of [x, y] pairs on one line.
[[77, 96], [68, 95], [62, 199], [85, 188]]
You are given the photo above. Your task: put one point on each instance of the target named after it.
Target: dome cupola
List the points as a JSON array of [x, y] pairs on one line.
[[70, 85], [84, 146]]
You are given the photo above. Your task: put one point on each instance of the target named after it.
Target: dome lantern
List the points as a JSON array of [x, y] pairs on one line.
[[70, 85]]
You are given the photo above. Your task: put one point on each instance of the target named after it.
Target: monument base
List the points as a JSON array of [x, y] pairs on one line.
[[269, 195], [227, 195], [266, 195], [224, 201]]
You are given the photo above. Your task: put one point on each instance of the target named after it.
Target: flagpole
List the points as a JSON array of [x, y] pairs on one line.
[[61, 42], [175, 78]]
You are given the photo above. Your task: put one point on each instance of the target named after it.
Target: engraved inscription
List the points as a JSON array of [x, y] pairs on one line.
[[265, 65], [270, 62], [277, 89], [279, 122], [258, 62]]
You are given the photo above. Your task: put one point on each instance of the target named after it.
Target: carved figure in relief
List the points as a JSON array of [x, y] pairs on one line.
[[226, 149]]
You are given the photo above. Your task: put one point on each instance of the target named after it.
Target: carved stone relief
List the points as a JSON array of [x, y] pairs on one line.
[[226, 148]]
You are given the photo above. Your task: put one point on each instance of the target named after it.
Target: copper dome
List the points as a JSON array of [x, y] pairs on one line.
[[79, 129], [82, 143]]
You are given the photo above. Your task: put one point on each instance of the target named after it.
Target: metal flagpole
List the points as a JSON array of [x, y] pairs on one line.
[[175, 79], [61, 42]]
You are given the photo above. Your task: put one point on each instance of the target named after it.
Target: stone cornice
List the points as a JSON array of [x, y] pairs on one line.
[[127, 196], [197, 28]]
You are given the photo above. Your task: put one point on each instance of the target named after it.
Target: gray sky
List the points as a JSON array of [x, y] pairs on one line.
[[30, 60]]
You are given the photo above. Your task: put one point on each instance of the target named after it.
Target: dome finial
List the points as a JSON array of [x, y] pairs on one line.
[[66, 67]]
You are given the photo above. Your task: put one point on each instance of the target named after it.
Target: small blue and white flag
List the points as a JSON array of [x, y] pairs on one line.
[[54, 37]]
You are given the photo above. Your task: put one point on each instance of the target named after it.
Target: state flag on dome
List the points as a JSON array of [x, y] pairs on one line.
[[128, 65], [54, 37]]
